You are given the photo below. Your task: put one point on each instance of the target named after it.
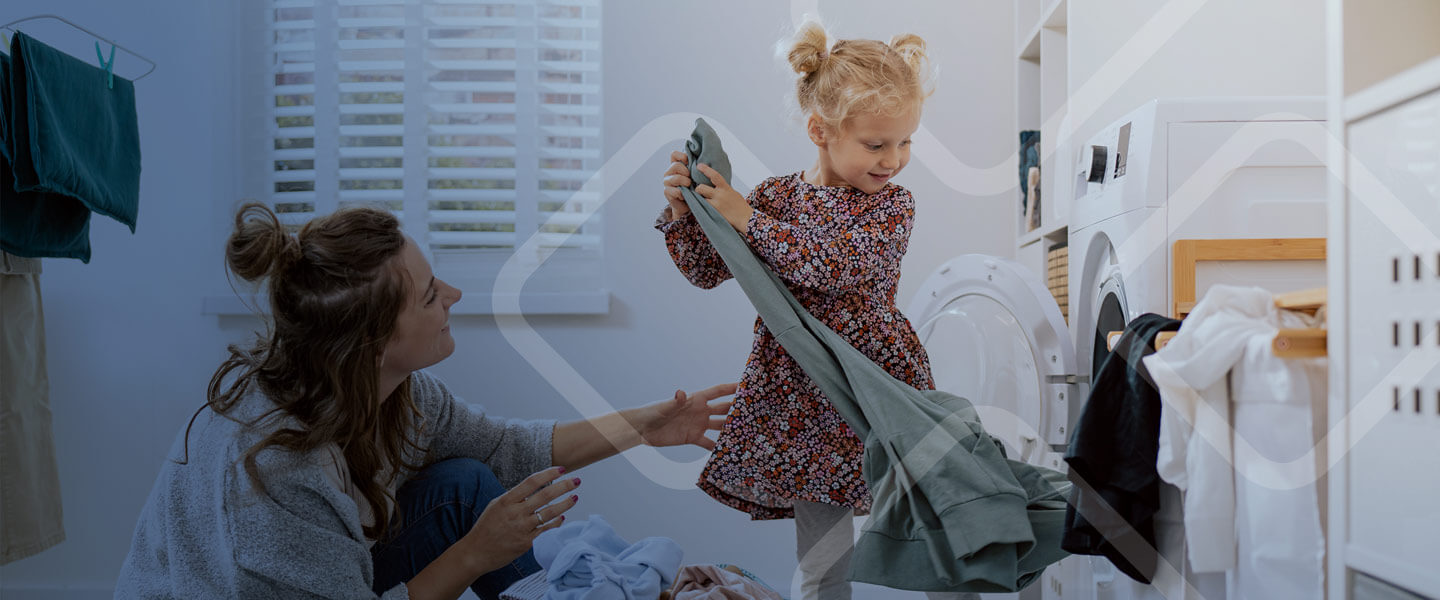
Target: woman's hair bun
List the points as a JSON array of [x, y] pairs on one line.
[[260, 246]]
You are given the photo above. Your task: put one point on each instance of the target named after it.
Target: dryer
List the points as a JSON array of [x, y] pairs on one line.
[[1171, 169]]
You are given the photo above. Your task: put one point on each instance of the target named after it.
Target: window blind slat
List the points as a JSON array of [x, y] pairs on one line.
[[472, 173], [472, 129], [474, 43], [465, 86], [472, 22], [353, 130], [372, 195], [478, 107], [470, 151], [443, 195], [473, 65]]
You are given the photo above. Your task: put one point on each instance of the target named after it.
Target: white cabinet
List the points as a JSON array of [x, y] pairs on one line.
[[1384, 68]]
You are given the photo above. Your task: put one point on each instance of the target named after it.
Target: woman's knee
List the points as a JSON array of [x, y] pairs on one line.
[[464, 479]]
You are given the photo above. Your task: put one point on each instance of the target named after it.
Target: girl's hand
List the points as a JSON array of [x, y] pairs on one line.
[[685, 419], [676, 177], [725, 199], [509, 524]]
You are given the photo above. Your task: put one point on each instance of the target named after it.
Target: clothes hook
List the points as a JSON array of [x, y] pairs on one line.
[[108, 66]]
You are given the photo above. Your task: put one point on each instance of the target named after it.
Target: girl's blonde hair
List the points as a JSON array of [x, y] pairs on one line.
[[854, 77]]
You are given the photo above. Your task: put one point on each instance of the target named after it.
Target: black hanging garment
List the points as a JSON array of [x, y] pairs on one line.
[[1112, 457]]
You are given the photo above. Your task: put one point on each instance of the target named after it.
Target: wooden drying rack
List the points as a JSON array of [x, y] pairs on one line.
[[1289, 343]]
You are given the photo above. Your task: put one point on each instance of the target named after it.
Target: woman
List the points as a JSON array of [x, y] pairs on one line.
[[328, 421]]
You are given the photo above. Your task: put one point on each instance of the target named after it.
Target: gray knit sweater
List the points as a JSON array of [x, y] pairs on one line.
[[206, 532]]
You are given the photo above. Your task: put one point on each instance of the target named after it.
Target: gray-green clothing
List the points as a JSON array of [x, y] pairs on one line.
[[951, 512], [205, 532]]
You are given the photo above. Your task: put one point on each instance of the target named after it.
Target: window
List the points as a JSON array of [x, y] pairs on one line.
[[477, 123]]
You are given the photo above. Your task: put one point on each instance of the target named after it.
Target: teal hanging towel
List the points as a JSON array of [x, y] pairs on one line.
[[72, 145], [951, 512]]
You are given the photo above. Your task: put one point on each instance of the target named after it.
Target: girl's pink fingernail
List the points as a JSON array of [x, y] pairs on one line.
[[577, 481], [562, 470], [575, 498], [562, 518]]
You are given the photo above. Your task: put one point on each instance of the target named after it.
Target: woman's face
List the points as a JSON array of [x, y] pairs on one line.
[[422, 331]]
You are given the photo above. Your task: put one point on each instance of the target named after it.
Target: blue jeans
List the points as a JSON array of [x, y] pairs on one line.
[[435, 508]]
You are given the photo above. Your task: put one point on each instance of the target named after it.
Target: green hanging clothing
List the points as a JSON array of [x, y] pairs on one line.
[[72, 146], [951, 512]]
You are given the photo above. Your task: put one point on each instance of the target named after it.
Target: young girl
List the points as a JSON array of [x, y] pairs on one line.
[[835, 233]]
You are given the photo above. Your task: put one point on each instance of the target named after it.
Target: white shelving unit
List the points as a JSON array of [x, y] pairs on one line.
[[1041, 91], [1383, 69]]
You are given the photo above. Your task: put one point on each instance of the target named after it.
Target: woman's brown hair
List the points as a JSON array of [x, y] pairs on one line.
[[336, 290]]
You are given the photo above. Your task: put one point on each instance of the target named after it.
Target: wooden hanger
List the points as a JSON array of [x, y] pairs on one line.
[[1301, 343], [1288, 343]]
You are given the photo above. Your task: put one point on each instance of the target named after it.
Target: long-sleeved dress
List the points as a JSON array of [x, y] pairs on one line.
[[838, 249]]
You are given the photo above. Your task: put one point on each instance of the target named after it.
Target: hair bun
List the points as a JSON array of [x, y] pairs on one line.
[[912, 48], [260, 246], [810, 49]]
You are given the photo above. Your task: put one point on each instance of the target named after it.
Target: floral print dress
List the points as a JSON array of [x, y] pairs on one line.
[[838, 249]]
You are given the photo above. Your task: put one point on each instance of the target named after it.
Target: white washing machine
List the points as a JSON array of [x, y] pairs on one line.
[[1171, 169]]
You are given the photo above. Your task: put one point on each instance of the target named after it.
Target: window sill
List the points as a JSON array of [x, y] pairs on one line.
[[553, 303]]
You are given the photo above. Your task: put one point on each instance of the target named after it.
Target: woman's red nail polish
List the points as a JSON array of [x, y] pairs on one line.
[[562, 470], [575, 498], [577, 481]]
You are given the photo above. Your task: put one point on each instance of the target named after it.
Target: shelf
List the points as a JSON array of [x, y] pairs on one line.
[[1052, 17], [1055, 16], [1030, 237], [1031, 50], [1416, 81], [1042, 232], [1041, 67]]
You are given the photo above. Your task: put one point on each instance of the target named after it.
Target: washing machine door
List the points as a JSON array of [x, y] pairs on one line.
[[995, 336]]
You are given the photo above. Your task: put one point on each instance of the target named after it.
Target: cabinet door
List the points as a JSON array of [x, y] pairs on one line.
[[1393, 444]]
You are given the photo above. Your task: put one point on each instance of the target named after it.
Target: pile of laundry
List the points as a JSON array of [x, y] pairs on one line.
[[587, 560]]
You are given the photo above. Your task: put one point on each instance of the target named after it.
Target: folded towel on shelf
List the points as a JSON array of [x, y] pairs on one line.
[[72, 147]]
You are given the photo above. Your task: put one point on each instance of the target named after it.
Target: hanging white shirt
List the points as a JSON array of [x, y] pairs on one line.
[[1250, 496], [1279, 543]]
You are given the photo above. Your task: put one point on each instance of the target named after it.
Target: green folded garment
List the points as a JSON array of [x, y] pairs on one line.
[[951, 512], [72, 146]]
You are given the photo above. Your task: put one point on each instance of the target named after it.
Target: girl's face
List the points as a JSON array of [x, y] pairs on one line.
[[422, 331], [867, 152]]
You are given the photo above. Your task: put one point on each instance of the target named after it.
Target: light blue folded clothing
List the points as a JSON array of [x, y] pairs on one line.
[[588, 561], [72, 146]]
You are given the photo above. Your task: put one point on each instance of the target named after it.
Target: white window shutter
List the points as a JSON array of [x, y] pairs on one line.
[[476, 123]]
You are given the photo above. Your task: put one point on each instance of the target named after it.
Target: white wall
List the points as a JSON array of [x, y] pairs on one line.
[[130, 353], [1124, 53]]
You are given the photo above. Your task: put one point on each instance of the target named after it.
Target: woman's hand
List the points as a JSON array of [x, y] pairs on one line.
[[509, 524], [725, 199], [676, 177], [685, 419]]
